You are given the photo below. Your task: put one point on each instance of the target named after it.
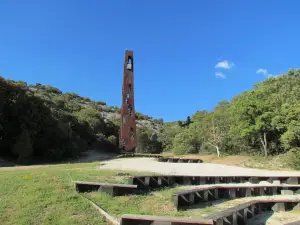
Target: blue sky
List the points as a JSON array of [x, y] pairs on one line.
[[189, 55]]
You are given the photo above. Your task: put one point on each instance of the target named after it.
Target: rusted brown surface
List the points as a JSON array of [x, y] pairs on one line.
[[127, 138], [159, 181], [245, 211], [238, 215], [202, 195], [179, 160], [132, 155], [148, 220], [112, 189]]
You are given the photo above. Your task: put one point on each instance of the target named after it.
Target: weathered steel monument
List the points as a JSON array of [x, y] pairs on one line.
[[127, 137]]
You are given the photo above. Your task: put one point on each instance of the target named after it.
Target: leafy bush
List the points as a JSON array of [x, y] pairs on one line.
[[294, 158], [23, 146], [147, 141], [101, 103]]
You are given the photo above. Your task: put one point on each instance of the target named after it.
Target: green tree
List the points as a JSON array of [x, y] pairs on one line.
[[186, 142], [148, 141], [188, 121], [92, 117], [23, 146], [216, 126], [167, 134]]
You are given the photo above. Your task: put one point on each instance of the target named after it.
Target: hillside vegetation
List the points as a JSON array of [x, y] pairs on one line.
[[262, 121], [40, 122]]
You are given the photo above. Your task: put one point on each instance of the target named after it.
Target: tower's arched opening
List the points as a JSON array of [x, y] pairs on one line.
[[129, 63]]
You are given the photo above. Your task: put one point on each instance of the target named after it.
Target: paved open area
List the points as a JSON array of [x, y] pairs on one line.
[[185, 169]]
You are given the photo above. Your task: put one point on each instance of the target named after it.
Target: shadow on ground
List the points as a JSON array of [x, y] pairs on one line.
[[261, 219], [86, 157]]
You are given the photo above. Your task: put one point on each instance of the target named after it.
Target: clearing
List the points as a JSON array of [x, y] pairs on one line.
[[197, 169], [45, 194]]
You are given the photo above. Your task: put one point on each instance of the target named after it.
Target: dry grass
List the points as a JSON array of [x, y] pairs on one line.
[[259, 162]]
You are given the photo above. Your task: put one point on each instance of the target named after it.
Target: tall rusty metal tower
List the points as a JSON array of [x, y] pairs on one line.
[[127, 138]]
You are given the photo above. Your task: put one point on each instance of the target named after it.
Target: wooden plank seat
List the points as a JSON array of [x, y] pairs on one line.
[[156, 181], [239, 215], [179, 160], [195, 196], [112, 189], [128, 155], [160, 220]]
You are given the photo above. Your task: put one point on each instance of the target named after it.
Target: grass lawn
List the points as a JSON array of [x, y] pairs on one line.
[[36, 195], [45, 194], [159, 203]]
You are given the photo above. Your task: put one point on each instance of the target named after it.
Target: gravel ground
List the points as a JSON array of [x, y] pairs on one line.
[[207, 169], [196, 169]]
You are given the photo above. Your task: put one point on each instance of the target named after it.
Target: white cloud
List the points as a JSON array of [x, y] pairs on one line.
[[221, 75], [262, 71], [224, 65]]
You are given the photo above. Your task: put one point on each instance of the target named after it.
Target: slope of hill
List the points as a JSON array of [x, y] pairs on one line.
[[39, 121], [262, 121]]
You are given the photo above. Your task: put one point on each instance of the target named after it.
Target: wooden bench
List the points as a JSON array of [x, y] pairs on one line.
[[112, 189], [179, 160], [131, 155], [159, 220], [202, 195], [156, 181], [239, 215]]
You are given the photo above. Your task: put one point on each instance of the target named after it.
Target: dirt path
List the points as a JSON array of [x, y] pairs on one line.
[[89, 156], [205, 169]]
